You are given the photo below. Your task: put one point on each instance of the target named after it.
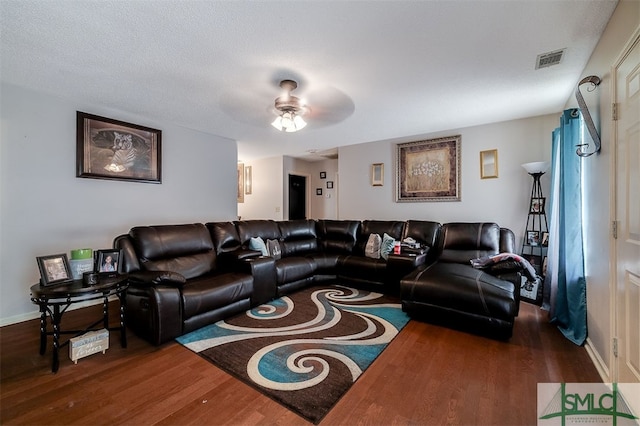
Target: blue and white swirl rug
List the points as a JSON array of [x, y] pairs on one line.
[[304, 350]]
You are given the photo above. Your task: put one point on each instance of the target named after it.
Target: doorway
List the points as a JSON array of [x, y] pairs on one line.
[[297, 197]]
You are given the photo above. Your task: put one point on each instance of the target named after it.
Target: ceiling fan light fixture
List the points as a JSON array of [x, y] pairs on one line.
[[286, 119], [299, 122], [289, 121], [289, 109], [277, 123]]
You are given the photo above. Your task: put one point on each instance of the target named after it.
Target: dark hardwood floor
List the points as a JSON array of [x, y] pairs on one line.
[[429, 375]]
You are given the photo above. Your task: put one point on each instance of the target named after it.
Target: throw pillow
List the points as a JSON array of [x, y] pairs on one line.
[[387, 245], [273, 247], [372, 249], [257, 243]]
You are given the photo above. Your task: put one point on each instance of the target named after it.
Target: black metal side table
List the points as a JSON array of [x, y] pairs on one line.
[[55, 300]]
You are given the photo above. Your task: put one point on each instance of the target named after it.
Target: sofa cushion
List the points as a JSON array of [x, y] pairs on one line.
[[224, 236], [185, 249], [507, 241], [211, 292], [273, 249], [362, 268], [386, 247], [372, 248], [462, 242], [337, 236], [423, 231], [326, 263], [392, 228], [298, 237], [265, 229], [461, 288], [295, 268], [258, 244]]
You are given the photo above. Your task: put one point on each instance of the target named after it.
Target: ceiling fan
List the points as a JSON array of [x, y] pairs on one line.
[[250, 100], [289, 109]]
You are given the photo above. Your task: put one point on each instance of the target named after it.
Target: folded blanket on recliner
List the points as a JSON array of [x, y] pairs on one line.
[[505, 262]]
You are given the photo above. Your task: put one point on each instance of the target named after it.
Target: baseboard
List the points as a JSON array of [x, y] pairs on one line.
[[598, 362], [19, 318], [36, 314]]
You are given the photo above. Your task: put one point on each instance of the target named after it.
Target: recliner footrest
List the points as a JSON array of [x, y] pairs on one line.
[[459, 288]]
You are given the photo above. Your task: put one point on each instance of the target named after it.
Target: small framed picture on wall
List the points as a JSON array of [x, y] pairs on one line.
[[377, 174]]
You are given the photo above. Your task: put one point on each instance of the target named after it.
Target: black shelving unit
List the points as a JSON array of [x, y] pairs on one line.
[[536, 238]]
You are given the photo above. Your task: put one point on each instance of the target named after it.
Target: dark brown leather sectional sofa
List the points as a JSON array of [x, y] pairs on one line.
[[183, 277]]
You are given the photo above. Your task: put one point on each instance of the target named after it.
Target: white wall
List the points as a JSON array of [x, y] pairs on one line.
[[324, 206], [266, 198], [46, 210], [504, 200], [598, 181], [269, 198]]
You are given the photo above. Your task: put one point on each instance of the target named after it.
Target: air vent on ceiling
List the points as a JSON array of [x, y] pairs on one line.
[[549, 59]]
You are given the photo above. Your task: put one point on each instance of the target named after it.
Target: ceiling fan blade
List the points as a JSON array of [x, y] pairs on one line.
[[328, 106], [254, 104]]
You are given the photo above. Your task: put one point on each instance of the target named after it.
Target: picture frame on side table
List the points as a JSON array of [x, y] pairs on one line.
[[54, 269], [533, 238], [117, 150], [429, 170], [108, 262], [489, 164], [377, 174], [537, 205]]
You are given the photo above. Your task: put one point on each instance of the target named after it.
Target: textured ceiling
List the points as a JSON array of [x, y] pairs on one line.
[[369, 70]]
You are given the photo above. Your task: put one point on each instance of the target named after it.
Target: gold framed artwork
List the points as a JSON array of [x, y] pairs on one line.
[[247, 179], [377, 174], [489, 164], [241, 182], [429, 170]]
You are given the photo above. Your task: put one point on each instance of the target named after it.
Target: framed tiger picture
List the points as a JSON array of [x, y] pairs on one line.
[[116, 150]]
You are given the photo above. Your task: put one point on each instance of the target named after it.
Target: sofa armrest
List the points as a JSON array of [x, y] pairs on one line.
[[405, 261], [263, 271], [154, 312], [231, 260], [153, 278], [514, 277], [400, 265]]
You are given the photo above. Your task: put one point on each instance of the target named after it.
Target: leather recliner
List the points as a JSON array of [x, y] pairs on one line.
[[175, 285], [452, 292]]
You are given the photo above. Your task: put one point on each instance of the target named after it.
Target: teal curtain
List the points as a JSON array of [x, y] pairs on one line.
[[565, 284]]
